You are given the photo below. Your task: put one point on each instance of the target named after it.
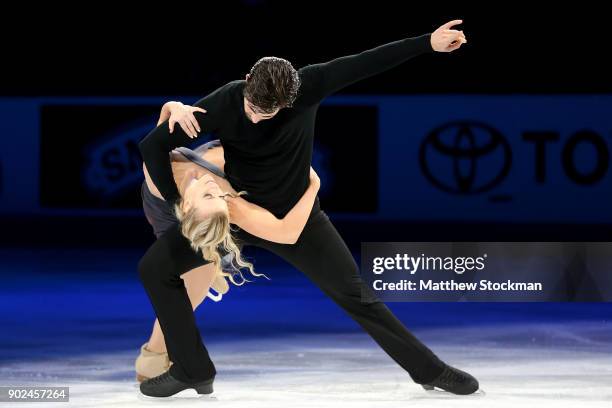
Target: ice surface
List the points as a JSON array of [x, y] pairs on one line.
[[77, 318], [518, 365]]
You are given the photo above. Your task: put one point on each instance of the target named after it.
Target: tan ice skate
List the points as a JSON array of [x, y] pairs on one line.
[[150, 364]]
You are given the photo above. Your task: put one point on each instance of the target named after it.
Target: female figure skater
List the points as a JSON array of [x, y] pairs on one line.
[[207, 207]]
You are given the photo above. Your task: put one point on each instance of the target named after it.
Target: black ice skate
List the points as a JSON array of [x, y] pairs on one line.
[[454, 381], [165, 385]]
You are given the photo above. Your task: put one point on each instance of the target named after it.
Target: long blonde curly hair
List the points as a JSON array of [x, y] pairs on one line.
[[208, 235]]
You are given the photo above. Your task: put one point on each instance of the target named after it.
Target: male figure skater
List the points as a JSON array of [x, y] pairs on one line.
[[266, 126]]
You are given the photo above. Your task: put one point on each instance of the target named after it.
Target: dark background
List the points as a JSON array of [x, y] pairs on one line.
[[190, 49], [172, 49]]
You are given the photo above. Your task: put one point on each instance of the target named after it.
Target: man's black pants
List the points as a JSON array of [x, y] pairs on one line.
[[320, 253]]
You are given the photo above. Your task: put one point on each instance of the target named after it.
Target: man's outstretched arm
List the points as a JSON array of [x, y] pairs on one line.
[[155, 148], [321, 80]]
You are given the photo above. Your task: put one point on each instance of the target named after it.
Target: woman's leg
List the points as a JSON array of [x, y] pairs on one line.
[[159, 271], [197, 282]]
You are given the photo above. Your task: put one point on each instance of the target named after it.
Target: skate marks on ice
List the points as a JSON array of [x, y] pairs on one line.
[[517, 365]]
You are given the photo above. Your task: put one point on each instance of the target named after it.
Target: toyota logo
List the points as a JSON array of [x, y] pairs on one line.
[[465, 157]]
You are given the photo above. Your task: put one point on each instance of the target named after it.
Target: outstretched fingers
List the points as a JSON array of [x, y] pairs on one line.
[[451, 24]]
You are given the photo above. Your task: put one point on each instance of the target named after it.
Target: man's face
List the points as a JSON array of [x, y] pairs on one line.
[[254, 114]]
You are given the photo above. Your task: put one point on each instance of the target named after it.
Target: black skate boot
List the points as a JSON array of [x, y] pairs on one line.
[[164, 385], [455, 381]]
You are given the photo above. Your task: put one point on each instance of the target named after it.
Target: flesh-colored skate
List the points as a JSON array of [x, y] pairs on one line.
[[150, 364]]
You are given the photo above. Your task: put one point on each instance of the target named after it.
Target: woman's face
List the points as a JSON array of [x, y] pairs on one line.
[[202, 192]]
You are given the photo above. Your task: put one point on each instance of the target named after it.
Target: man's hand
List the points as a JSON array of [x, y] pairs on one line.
[[183, 115], [444, 39]]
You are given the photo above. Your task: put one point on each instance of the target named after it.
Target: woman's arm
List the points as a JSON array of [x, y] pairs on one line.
[[263, 224], [157, 145]]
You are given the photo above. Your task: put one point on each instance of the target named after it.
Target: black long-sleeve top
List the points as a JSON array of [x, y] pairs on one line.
[[271, 159]]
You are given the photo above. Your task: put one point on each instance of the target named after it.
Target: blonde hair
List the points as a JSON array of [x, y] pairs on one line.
[[210, 233]]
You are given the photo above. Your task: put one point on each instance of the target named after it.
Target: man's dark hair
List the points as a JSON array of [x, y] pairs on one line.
[[273, 83]]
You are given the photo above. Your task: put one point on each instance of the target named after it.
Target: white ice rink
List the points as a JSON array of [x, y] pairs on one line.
[[519, 366]]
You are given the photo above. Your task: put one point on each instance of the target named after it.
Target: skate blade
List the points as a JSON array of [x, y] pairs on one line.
[[185, 395], [438, 391]]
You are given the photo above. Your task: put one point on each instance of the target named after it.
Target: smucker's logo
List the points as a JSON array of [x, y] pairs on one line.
[[115, 163]]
